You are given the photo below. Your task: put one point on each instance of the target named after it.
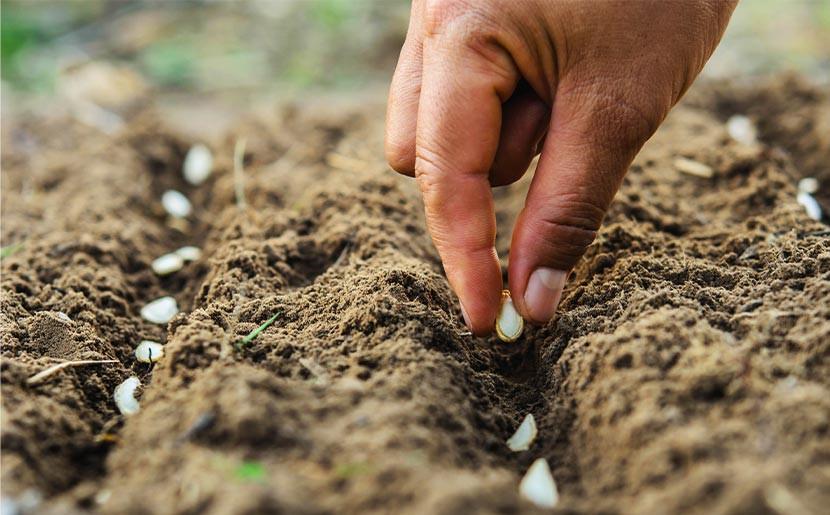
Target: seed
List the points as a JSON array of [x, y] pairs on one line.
[[125, 396], [810, 205], [167, 264], [149, 351], [524, 435], [198, 164], [189, 253], [538, 485], [691, 167], [160, 311], [509, 324], [176, 204], [808, 185], [742, 130]]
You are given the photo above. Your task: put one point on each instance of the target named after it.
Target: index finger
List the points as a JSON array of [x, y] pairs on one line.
[[459, 120]]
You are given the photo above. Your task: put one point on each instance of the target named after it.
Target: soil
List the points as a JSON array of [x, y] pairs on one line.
[[687, 371]]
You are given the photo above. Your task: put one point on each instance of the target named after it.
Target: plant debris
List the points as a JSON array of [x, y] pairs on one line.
[[40, 376], [253, 334]]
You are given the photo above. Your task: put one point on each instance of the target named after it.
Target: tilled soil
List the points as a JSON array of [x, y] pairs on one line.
[[687, 371]]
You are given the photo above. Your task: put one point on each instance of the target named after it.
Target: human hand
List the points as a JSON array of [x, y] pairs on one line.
[[483, 86]]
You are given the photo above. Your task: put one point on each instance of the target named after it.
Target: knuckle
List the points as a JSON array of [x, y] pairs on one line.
[[630, 122], [439, 14], [567, 226]]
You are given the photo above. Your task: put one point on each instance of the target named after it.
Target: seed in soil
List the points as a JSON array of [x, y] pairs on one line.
[[538, 485], [509, 323], [160, 311], [176, 204], [524, 435], [125, 396], [189, 253], [810, 205], [149, 351], [695, 168], [198, 164], [167, 264], [808, 185], [742, 130]]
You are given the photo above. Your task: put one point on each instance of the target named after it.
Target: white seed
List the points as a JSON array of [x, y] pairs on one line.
[[125, 396], [160, 311], [524, 435], [509, 324], [176, 204], [149, 351], [810, 204], [538, 485], [198, 164], [691, 167], [63, 317], [189, 253], [808, 185], [167, 264], [742, 130]]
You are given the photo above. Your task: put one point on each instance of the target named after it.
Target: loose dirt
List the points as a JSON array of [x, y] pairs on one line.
[[687, 371]]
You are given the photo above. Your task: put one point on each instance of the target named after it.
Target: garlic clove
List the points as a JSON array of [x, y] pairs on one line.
[[509, 324], [149, 351], [125, 396], [167, 264], [198, 164], [538, 486], [160, 311], [176, 204], [524, 435]]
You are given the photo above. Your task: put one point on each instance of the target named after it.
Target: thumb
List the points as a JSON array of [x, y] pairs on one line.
[[591, 141]]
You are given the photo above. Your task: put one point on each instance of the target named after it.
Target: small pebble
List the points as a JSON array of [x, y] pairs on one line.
[[176, 204], [810, 204], [125, 396], [160, 311], [538, 486], [198, 164], [149, 351], [167, 264], [509, 324], [524, 435], [742, 130], [808, 185], [189, 253]]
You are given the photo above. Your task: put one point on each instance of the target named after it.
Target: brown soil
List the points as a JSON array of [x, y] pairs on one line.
[[688, 370]]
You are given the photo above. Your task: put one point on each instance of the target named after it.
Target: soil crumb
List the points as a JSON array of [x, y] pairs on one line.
[[688, 369]]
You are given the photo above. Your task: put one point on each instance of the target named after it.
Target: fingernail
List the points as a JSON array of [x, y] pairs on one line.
[[544, 289], [464, 314]]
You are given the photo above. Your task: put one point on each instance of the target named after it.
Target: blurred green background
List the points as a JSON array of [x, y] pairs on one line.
[[245, 47]]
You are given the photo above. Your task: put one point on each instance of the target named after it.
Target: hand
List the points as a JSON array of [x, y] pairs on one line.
[[483, 86]]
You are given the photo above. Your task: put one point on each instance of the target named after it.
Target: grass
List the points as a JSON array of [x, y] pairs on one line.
[[250, 471], [9, 250], [253, 334]]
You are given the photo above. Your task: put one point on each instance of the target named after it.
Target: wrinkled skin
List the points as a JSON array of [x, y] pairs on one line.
[[483, 86]]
